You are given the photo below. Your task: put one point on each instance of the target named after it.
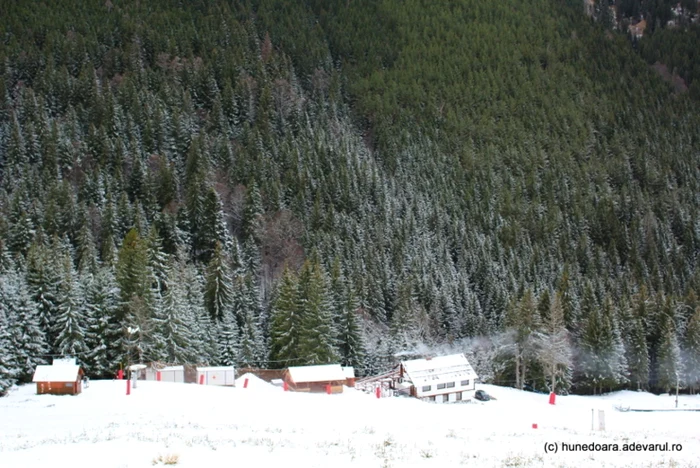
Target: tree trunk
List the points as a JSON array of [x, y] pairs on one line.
[[517, 371], [554, 377]]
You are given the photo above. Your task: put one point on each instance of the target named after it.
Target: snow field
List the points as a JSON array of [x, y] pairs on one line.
[[264, 426]]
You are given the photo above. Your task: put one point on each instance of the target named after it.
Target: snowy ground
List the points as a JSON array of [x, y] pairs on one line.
[[262, 426]]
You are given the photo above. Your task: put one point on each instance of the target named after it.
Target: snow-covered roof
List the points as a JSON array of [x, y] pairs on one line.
[[172, 369], [439, 369], [349, 372], [316, 373], [214, 369], [60, 373]]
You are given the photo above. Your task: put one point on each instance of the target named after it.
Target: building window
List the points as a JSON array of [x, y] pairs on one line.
[[465, 383], [450, 384], [425, 388], [459, 396], [432, 398], [441, 386], [445, 398]]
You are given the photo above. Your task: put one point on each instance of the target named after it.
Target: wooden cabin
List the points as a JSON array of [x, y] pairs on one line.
[[315, 378], [443, 379], [58, 379]]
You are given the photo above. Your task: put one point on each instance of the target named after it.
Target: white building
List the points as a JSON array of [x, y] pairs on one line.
[[442, 379]]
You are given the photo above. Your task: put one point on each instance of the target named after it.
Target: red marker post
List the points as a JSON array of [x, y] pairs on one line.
[[120, 374], [128, 387], [158, 376], [285, 386], [245, 383], [201, 379], [534, 426], [328, 389], [378, 392], [552, 398]]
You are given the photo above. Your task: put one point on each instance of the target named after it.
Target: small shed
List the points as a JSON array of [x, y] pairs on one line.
[[316, 378], [349, 376], [222, 376], [443, 379], [166, 373], [58, 379]]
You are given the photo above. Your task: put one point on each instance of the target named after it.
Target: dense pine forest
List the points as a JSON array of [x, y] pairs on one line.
[[269, 183]]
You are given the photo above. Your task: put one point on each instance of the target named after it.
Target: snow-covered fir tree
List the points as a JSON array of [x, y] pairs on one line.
[[554, 348], [27, 341], [285, 323], [316, 338], [104, 335], [71, 318]]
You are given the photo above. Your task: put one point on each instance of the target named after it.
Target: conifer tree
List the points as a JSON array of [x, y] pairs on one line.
[[350, 341], [27, 341], [637, 353], [217, 293], [285, 326], [203, 336], [602, 362], [554, 350], [252, 214], [8, 364], [157, 260], [71, 318], [104, 335], [691, 353], [316, 338], [668, 358], [252, 347], [43, 278], [524, 324], [133, 273], [177, 323], [86, 252], [228, 340]]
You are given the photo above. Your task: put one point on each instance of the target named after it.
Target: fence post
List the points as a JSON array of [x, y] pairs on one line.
[[128, 387]]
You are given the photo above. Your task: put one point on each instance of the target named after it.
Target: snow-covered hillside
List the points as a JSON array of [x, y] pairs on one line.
[[262, 426]]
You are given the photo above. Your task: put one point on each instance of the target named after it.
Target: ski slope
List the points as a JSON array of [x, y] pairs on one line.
[[263, 426]]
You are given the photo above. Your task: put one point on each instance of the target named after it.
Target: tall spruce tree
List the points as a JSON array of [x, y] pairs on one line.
[[177, 323], [691, 353], [668, 358], [316, 338], [285, 326], [26, 338], [217, 289], [554, 350], [71, 319], [8, 361], [104, 335]]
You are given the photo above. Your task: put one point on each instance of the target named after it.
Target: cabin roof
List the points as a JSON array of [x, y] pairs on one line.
[[439, 369], [59, 373]]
